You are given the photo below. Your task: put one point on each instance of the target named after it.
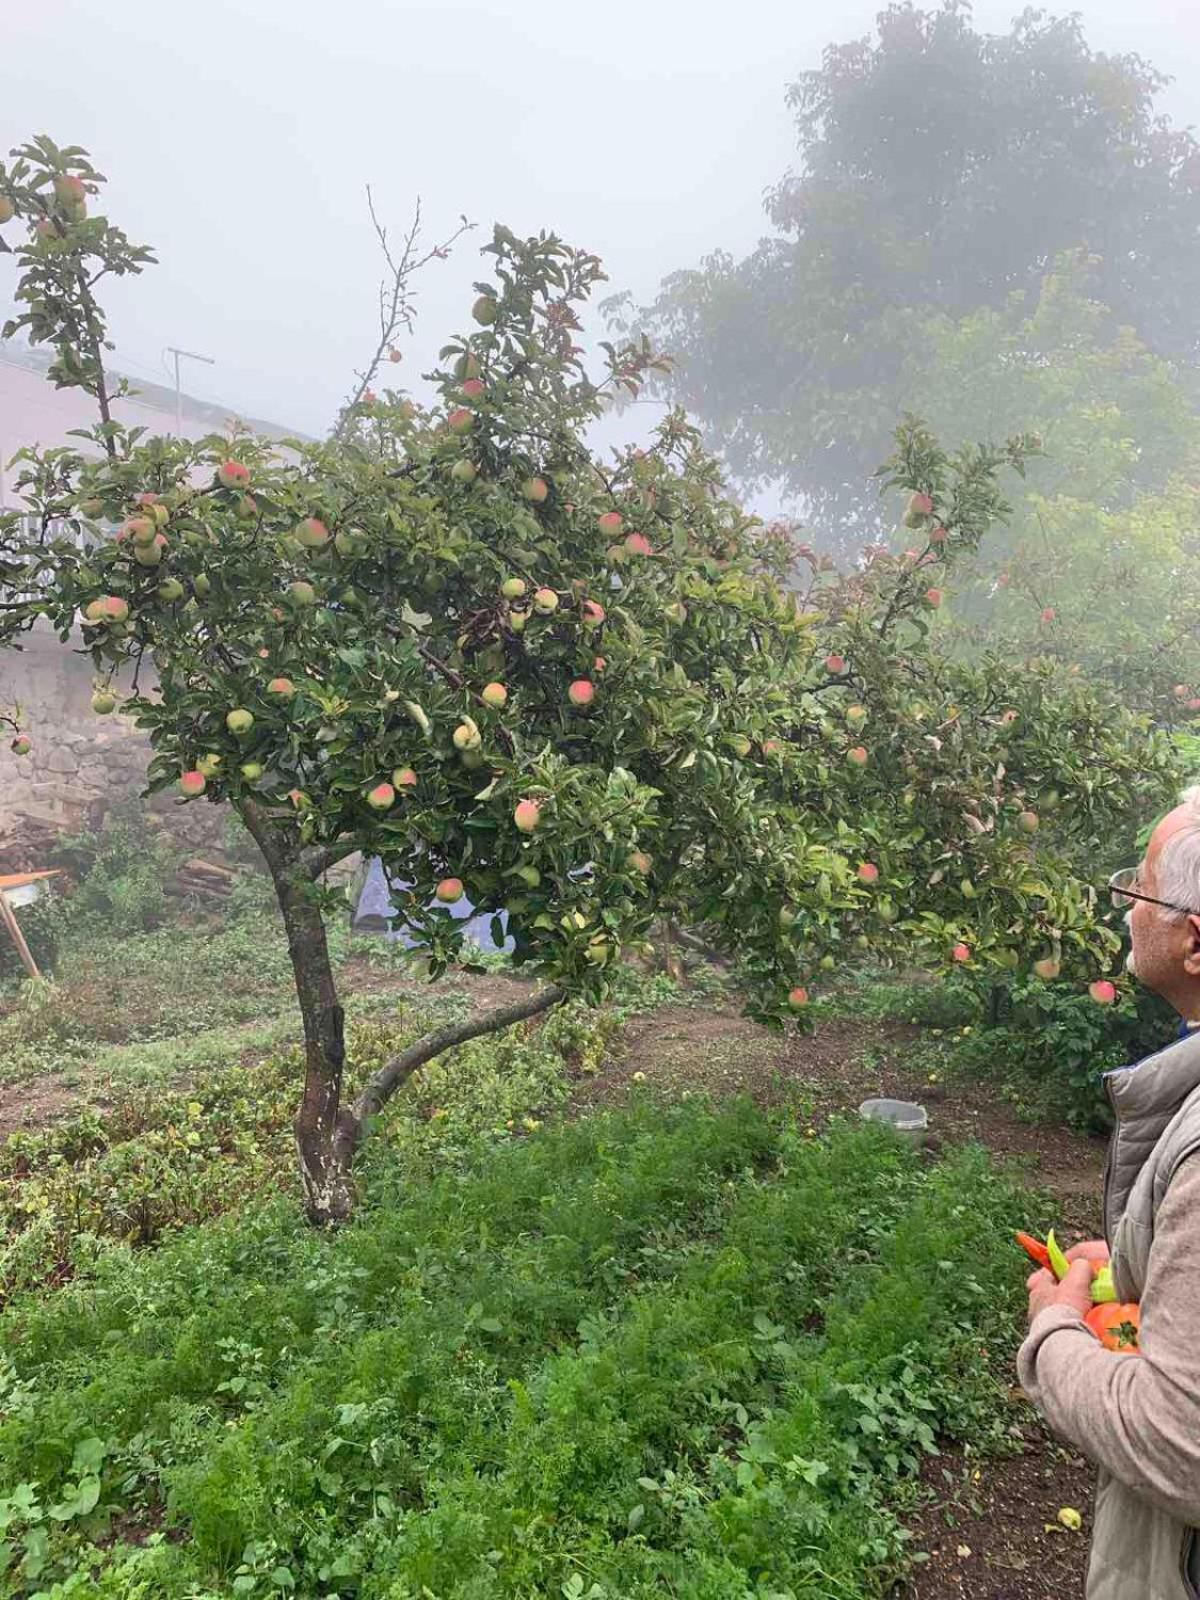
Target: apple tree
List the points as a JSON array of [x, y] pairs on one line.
[[587, 694]]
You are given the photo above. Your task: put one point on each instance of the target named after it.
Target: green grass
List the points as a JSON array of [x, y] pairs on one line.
[[667, 1351]]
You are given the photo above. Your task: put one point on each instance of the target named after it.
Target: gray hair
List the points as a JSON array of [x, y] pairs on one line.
[[1179, 863]]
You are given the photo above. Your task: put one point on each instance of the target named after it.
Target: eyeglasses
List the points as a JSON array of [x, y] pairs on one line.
[[1122, 886]]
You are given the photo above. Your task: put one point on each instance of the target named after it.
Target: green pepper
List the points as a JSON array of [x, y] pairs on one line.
[[1059, 1265], [1103, 1289]]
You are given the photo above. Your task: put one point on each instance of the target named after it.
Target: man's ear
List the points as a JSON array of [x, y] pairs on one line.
[[1191, 958]]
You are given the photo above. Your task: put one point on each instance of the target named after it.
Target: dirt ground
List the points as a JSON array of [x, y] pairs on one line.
[[989, 1529]]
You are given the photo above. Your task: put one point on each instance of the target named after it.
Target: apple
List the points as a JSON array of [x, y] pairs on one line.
[[835, 664], [21, 745], [140, 529], [933, 598], [1102, 992], [598, 950], [209, 763], [513, 588], [473, 388], [193, 783], [938, 535], [593, 613], [868, 872], [404, 778], [464, 471], [1047, 969], [639, 861], [239, 721], [919, 507], [45, 229], [1181, 691], [233, 475], [69, 191], [637, 544], [150, 555], [103, 703], [109, 608], [494, 695], [1007, 718], [739, 744], [858, 756], [394, 354], [160, 513], [545, 601], [856, 715], [798, 997], [582, 692], [202, 585], [676, 612], [466, 367], [1028, 821], [460, 419], [527, 815], [529, 876], [311, 534], [770, 747], [535, 489], [299, 799], [485, 310], [252, 771], [381, 797], [449, 890], [7, 210], [517, 620], [1048, 614], [281, 688], [466, 735], [1192, 705], [91, 507], [599, 664], [961, 952], [169, 591], [610, 524], [302, 594]]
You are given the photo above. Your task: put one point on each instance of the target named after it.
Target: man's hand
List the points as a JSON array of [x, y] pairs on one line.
[[1090, 1250], [1075, 1289]]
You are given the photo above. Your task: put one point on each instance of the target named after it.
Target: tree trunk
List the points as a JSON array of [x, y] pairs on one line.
[[327, 1133], [324, 1157]]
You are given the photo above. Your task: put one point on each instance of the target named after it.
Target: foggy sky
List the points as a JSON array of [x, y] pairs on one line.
[[238, 135]]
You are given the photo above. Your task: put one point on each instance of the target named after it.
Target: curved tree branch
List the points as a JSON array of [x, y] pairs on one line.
[[395, 1073]]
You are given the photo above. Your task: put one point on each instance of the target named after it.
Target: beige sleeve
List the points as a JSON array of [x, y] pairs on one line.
[[1137, 1416]]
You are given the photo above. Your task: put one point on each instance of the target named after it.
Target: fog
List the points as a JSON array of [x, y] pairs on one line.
[[238, 138]]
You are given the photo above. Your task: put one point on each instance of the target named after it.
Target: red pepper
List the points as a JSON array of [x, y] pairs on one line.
[[1034, 1249]]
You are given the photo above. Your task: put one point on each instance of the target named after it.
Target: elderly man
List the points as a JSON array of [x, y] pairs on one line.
[[1138, 1416]]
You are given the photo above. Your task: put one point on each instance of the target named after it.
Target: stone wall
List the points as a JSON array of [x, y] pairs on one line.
[[81, 765]]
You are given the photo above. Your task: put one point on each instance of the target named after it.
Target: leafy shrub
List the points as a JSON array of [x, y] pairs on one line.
[[120, 872], [1052, 1043]]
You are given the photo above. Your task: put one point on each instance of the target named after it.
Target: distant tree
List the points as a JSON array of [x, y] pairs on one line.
[[940, 169]]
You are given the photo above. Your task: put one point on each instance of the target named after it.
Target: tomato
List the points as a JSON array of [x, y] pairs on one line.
[[1116, 1326]]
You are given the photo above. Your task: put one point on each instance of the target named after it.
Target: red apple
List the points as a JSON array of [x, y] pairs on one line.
[[473, 388], [933, 598], [545, 601], [798, 998], [281, 688], [233, 475], [1047, 969], [961, 952], [637, 544], [599, 664], [109, 608], [21, 745], [610, 524], [858, 756], [868, 872], [535, 489], [527, 815], [1048, 614], [513, 588], [638, 861], [460, 419], [835, 664], [382, 797], [1102, 992], [312, 534], [494, 695], [593, 613], [449, 890], [192, 783], [1029, 821], [404, 778], [582, 692]]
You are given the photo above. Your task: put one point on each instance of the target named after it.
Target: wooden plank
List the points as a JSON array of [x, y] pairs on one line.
[[8, 917]]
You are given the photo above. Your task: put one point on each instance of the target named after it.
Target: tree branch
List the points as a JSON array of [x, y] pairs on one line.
[[400, 1068], [313, 863]]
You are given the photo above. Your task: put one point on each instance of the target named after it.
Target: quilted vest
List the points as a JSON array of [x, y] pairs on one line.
[[1136, 1549]]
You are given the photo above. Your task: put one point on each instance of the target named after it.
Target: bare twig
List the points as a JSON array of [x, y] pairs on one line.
[[395, 301]]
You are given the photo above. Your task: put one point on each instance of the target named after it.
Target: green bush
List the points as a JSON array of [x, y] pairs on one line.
[[120, 872], [1051, 1044]]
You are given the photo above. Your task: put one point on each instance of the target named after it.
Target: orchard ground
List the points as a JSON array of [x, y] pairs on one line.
[[149, 1092]]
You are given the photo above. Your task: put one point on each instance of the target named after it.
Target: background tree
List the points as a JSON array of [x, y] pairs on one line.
[[939, 170], [578, 692]]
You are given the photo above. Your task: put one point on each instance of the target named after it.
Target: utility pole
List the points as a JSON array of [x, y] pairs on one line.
[[187, 355]]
